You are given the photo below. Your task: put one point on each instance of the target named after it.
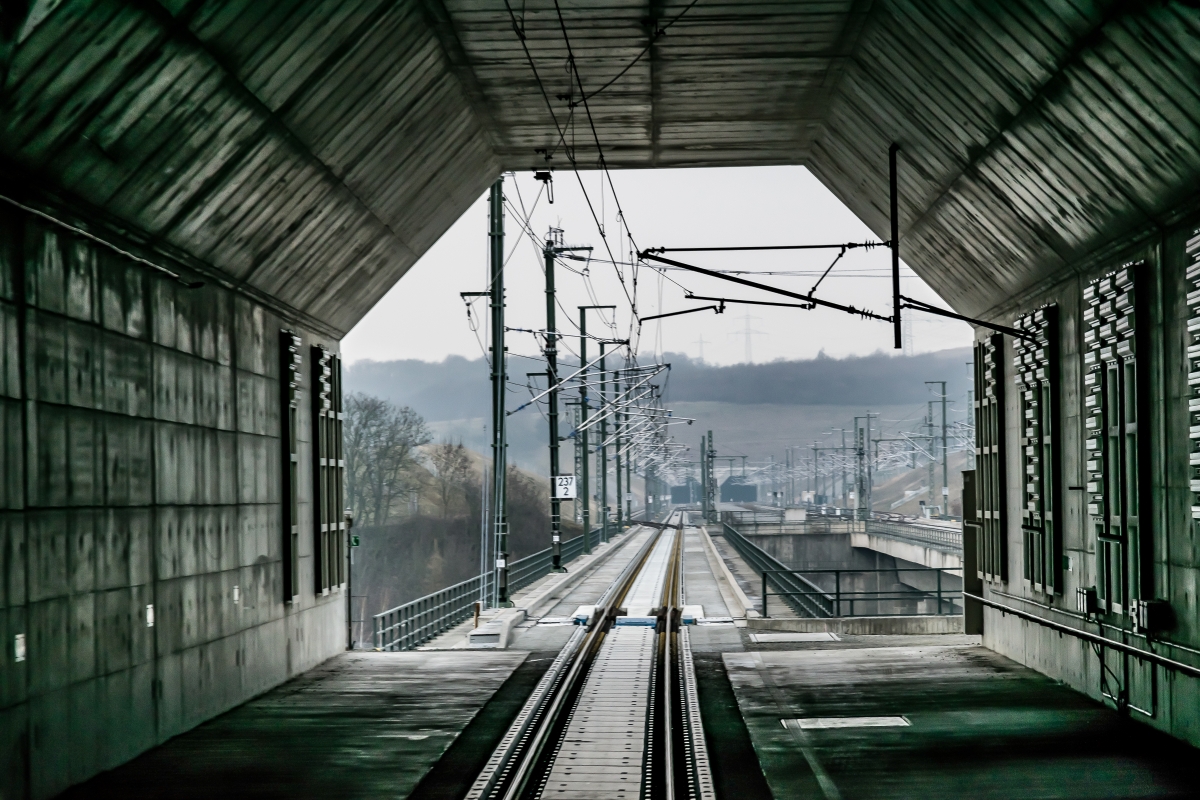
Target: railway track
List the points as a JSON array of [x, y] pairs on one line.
[[617, 714]]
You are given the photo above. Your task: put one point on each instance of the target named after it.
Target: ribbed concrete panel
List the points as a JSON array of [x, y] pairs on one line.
[[140, 475], [311, 150], [314, 150], [1032, 134]]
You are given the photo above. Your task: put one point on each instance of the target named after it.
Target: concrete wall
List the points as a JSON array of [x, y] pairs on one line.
[[1174, 699], [912, 552], [817, 551], [139, 436]]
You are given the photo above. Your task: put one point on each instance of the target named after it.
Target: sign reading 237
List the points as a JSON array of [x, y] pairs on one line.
[[564, 487]]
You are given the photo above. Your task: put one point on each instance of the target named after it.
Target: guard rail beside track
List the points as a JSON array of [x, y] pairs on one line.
[[417, 621], [802, 595]]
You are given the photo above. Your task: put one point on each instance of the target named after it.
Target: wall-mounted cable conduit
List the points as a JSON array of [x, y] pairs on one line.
[[175, 276]]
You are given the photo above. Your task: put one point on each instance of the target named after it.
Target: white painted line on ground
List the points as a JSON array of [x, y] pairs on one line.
[[826, 723], [771, 638]]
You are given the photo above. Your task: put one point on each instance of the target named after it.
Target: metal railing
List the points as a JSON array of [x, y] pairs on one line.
[[845, 597], [752, 517], [799, 527], [417, 621], [804, 596], [949, 539]]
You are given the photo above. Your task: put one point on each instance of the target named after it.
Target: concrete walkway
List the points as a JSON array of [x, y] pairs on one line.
[[964, 722], [362, 725], [749, 580]]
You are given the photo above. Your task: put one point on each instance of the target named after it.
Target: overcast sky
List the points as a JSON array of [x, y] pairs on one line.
[[423, 316]]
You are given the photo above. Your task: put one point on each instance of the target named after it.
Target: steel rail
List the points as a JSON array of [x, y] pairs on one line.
[[595, 636], [670, 604], [521, 766], [510, 767]]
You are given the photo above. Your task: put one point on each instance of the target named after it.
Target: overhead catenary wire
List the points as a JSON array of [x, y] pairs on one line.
[[562, 139], [764, 287], [733, 248], [658, 32], [604, 167]]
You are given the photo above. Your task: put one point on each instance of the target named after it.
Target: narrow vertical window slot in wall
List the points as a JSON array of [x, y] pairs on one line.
[[329, 468], [1192, 275], [1036, 378], [989, 458], [1115, 453], [290, 370]]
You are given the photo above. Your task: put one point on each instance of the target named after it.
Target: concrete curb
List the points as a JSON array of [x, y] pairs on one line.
[[495, 632], [580, 568], [724, 575]]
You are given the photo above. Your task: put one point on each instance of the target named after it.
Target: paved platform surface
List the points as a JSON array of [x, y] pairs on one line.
[[980, 726], [699, 583], [362, 725]]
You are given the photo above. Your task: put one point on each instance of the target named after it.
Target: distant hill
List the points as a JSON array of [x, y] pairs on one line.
[[874, 380], [753, 409], [458, 388]]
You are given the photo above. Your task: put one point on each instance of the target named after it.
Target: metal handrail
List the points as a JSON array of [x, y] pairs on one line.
[[942, 538], [805, 597], [413, 623], [840, 595], [1093, 638], [800, 527]]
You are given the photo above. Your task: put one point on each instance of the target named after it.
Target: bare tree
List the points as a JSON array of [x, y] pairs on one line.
[[452, 467], [382, 460]]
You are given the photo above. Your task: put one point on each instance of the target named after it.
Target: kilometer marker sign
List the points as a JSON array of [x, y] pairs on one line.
[[564, 487]]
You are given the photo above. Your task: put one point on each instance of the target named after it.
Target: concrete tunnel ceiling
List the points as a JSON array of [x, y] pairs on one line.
[[312, 151]]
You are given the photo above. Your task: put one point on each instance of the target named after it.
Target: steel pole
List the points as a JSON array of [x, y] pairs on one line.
[[945, 459], [604, 508], [583, 443], [870, 471], [499, 388], [845, 494], [617, 459], [932, 451], [552, 413], [894, 207], [628, 474]]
